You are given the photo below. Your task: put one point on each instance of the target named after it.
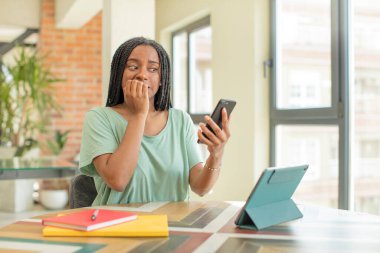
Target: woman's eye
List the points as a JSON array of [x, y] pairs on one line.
[[132, 67], [153, 69]]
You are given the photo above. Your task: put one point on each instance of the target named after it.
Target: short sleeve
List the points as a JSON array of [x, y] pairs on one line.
[[97, 139], [193, 150]]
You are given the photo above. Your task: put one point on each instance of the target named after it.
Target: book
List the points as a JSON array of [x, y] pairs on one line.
[[86, 221], [143, 226]]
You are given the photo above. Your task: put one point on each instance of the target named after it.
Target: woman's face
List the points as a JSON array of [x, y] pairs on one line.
[[143, 64]]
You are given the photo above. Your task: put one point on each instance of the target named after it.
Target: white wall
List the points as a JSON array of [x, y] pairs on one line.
[[240, 31], [20, 13], [73, 14], [122, 20]]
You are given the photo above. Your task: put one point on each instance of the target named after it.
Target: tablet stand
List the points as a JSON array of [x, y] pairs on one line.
[[268, 215]]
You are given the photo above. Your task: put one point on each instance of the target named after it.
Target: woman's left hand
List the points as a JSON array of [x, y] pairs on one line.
[[215, 142]]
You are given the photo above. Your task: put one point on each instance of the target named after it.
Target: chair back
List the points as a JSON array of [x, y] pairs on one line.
[[82, 191]]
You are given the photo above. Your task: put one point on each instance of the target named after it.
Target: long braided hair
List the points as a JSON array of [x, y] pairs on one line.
[[115, 91]]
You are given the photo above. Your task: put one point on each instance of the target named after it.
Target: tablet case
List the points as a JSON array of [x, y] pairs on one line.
[[270, 201]]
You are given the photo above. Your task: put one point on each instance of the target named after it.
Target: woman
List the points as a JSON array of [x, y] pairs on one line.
[[138, 148]]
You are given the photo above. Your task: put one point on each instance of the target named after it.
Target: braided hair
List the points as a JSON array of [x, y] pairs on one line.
[[115, 91]]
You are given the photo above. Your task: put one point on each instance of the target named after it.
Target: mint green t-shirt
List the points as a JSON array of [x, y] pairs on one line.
[[164, 162]]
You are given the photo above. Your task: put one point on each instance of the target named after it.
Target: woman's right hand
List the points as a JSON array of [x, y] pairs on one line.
[[136, 97]]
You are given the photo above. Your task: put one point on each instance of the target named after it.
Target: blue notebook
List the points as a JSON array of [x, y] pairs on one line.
[[270, 201]]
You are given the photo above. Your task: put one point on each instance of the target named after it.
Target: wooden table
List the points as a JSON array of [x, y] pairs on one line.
[[209, 227]]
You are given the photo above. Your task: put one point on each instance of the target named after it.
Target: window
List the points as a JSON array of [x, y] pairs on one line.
[[329, 49], [306, 104], [369, 148], [192, 73], [303, 91], [312, 145], [366, 104], [304, 52]]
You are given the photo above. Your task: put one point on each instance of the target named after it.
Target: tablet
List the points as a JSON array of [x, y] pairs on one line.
[[270, 201]]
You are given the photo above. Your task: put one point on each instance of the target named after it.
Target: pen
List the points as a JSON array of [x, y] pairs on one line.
[[94, 214]]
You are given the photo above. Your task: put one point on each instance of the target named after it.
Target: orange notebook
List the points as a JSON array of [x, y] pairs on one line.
[[82, 220]]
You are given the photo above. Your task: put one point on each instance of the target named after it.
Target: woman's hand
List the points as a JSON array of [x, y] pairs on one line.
[[215, 142], [136, 97], [203, 177]]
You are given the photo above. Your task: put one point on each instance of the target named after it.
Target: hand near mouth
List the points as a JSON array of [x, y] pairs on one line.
[[136, 96]]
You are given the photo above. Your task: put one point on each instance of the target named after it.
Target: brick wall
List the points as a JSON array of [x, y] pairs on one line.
[[73, 55]]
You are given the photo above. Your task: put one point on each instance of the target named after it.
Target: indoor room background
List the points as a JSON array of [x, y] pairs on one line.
[[305, 75]]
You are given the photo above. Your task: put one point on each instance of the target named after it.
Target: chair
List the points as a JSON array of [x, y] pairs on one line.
[[82, 191]]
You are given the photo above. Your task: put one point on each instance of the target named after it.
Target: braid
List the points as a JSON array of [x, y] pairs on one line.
[[115, 92]]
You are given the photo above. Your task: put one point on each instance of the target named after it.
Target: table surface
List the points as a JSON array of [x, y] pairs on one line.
[[18, 168], [209, 227]]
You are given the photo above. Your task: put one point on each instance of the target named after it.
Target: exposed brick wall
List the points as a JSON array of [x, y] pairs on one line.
[[73, 55]]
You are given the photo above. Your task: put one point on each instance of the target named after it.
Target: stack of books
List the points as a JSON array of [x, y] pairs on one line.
[[103, 222]]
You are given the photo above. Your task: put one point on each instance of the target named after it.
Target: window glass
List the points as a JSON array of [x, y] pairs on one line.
[[366, 104], [303, 51], [316, 146], [192, 70], [180, 71], [200, 71]]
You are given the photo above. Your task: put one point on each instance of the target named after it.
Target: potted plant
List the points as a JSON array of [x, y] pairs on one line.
[[26, 100], [25, 105], [57, 144], [53, 193]]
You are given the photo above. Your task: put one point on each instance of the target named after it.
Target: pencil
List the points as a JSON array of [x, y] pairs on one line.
[[94, 214]]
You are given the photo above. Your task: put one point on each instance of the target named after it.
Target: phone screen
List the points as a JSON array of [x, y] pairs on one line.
[[217, 113]]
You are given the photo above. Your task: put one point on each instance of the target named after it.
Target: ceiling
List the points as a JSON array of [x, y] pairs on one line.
[[20, 19]]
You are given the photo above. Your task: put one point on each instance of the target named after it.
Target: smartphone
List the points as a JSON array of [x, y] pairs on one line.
[[217, 113]]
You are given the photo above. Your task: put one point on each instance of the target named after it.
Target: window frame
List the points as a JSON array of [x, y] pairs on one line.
[[338, 114], [188, 29]]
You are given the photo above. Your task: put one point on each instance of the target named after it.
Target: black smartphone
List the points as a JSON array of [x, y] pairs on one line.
[[217, 113]]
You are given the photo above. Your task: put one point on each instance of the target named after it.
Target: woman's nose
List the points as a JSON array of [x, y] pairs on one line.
[[141, 75]]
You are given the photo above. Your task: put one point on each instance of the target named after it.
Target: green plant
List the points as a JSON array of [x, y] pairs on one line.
[[26, 100], [58, 143]]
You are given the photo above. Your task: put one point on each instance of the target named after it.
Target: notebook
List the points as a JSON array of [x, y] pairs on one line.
[[270, 201], [143, 226], [82, 220]]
